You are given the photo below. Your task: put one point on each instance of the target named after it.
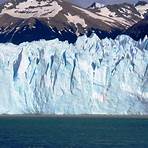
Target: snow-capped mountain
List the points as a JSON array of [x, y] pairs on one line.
[[141, 3], [96, 5], [142, 7], [92, 76], [127, 12], [28, 20]]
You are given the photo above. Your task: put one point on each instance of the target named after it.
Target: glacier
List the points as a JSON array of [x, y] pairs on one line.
[[92, 76]]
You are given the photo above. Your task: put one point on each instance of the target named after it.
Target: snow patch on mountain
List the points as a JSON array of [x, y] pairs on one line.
[[91, 14], [8, 5], [142, 9], [75, 19], [33, 8], [92, 76], [96, 5], [106, 13]]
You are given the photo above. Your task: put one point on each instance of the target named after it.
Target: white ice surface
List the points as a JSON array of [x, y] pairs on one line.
[[91, 77]]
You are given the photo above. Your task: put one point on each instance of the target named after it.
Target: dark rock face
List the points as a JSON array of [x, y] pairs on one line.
[[139, 30], [40, 30]]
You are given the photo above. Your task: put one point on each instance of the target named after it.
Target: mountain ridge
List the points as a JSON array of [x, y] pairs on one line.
[[61, 18]]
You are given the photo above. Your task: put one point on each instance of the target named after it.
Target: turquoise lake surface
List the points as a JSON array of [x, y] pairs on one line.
[[73, 132]]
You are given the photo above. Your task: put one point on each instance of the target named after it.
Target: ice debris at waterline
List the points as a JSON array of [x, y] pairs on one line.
[[92, 76]]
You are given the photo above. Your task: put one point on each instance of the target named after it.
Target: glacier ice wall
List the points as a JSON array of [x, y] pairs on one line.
[[92, 76]]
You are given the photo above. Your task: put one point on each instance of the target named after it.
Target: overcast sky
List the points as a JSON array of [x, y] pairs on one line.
[[85, 3]]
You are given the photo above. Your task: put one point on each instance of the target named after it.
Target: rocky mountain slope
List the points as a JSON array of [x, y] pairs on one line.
[[138, 30]]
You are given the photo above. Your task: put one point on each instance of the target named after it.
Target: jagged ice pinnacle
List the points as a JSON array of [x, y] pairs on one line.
[[92, 76]]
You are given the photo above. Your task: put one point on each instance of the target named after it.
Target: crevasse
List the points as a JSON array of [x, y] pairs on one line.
[[92, 76]]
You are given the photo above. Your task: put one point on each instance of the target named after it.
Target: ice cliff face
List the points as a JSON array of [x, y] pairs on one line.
[[91, 77]]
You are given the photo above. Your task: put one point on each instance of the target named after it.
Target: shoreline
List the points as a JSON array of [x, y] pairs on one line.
[[74, 116]]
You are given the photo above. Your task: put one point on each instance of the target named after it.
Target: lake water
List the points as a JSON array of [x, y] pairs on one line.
[[73, 132]]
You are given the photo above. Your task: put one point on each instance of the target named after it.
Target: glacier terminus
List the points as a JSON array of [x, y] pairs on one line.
[[91, 76]]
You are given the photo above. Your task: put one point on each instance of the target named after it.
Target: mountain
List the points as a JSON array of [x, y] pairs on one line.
[[139, 30], [96, 5], [141, 3], [29, 20], [92, 76], [142, 7]]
